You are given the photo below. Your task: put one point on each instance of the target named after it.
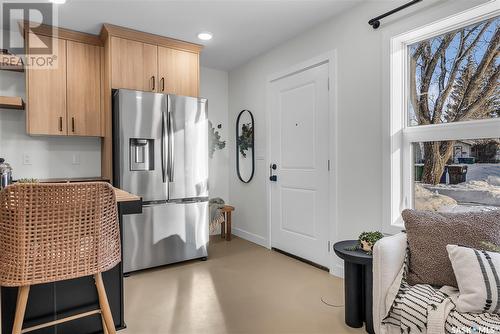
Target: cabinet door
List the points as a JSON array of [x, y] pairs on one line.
[[83, 89], [127, 68], [150, 65], [46, 92], [178, 71]]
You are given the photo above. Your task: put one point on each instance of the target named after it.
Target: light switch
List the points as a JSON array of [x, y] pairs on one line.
[[76, 159], [26, 159]]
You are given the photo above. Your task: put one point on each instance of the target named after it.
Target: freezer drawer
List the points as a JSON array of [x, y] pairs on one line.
[[165, 233]]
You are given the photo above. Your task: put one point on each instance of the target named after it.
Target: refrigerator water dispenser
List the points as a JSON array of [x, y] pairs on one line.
[[141, 154]]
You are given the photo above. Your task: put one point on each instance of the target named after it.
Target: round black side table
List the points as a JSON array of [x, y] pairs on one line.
[[358, 285]]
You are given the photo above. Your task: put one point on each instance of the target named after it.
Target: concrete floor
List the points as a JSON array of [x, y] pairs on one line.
[[242, 288]]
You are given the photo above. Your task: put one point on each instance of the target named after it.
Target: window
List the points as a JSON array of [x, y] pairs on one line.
[[445, 115], [470, 181]]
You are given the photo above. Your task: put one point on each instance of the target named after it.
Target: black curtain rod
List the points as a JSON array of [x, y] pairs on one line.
[[375, 22]]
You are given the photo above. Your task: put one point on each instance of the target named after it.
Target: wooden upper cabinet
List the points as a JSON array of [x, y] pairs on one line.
[[65, 99], [146, 62], [46, 92], [153, 63], [127, 64], [150, 67], [178, 72], [83, 89]]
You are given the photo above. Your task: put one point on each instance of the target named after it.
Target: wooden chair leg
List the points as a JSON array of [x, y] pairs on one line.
[[228, 219], [222, 229], [104, 305], [22, 300]]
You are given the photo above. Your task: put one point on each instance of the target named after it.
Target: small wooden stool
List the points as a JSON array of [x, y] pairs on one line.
[[226, 210]]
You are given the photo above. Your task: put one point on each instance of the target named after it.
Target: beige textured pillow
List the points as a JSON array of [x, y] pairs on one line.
[[428, 234], [478, 277]]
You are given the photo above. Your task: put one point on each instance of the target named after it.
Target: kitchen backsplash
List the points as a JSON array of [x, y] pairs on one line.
[[42, 157]]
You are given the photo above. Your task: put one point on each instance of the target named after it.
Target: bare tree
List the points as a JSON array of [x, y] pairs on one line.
[[463, 87]]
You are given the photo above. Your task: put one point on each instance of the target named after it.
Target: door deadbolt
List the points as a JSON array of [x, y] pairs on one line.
[[272, 177]]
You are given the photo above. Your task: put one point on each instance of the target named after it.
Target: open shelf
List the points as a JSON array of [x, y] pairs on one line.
[[11, 63], [11, 102]]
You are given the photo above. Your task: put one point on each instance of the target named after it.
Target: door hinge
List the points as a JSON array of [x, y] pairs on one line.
[[328, 164]]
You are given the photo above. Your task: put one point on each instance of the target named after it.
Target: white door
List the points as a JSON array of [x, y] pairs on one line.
[[299, 148]]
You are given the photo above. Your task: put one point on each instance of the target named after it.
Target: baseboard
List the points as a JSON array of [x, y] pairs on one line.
[[257, 239], [337, 270]]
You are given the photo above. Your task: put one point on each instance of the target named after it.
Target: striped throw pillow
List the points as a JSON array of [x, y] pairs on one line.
[[478, 277]]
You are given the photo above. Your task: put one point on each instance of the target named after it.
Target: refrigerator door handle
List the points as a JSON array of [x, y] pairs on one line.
[[163, 146], [170, 147]]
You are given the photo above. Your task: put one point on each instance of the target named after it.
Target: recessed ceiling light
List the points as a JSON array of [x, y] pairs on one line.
[[59, 2], [205, 36]]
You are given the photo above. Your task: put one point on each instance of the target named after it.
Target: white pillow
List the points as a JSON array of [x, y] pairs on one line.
[[478, 277]]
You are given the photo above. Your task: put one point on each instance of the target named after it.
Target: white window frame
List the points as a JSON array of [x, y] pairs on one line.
[[401, 135]]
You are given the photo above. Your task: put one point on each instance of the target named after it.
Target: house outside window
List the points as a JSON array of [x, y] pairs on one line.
[[445, 115]]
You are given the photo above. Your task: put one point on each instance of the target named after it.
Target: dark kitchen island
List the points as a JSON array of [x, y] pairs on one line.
[[52, 301]]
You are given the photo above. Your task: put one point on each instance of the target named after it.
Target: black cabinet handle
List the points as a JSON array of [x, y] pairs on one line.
[[72, 124], [153, 83], [60, 124], [162, 81]]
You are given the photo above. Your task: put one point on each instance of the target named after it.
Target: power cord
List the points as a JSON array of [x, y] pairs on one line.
[[331, 305]]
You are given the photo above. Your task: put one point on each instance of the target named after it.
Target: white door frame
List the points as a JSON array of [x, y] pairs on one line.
[[330, 58]]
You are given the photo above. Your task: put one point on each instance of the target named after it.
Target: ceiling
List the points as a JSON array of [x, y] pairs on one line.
[[242, 29]]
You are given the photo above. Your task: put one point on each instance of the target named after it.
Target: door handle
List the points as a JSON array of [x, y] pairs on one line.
[[60, 124], [170, 147], [153, 83], [162, 83], [72, 124], [163, 147], [272, 177]]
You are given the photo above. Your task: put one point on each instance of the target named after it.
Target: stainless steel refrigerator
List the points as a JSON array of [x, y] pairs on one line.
[[160, 152]]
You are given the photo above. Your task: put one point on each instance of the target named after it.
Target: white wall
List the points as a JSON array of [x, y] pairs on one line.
[[361, 84], [50, 156], [214, 87], [53, 156]]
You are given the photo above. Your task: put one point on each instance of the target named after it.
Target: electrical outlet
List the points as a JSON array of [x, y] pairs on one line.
[[26, 159], [76, 159]]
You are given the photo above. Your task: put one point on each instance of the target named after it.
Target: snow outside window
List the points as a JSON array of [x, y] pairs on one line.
[[445, 115]]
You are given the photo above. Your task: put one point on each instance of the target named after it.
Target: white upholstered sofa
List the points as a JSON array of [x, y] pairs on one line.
[[388, 257]]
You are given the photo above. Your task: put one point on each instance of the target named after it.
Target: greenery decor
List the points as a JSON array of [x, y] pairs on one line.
[[214, 140], [368, 239], [245, 140]]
